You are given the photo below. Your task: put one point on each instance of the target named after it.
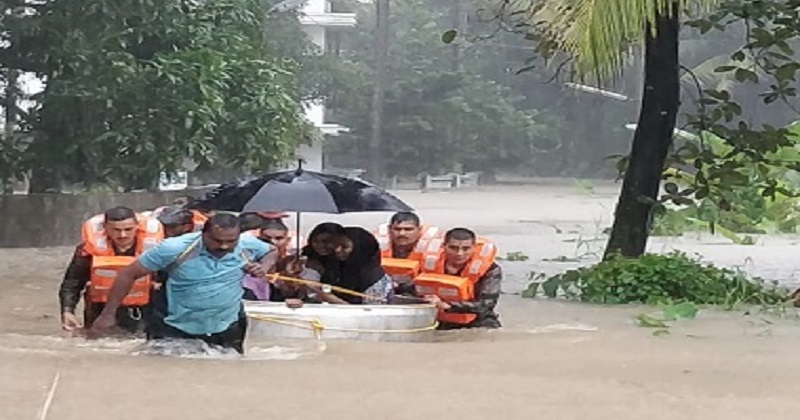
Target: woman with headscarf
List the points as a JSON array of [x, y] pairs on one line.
[[348, 258]]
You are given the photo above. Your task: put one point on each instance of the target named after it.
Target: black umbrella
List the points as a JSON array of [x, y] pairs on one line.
[[300, 191]]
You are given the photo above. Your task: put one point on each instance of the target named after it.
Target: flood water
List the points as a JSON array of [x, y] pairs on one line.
[[552, 359]]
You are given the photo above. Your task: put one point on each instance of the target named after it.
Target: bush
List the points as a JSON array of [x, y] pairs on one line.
[[655, 278]]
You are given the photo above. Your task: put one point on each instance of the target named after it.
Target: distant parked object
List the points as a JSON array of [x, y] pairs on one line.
[[176, 182]]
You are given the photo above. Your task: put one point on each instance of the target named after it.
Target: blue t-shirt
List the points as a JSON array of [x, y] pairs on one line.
[[204, 292]]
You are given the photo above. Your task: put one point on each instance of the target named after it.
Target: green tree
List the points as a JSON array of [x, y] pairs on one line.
[[134, 88], [11, 142], [442, 113], [597, 34], [743, 167]]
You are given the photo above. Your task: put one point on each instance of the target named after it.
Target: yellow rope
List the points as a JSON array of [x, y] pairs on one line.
[[271, 278], [317, 326], [313, 324], [317, 285]]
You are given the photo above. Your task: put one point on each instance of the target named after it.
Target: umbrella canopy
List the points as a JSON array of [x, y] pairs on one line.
[[301, 191]]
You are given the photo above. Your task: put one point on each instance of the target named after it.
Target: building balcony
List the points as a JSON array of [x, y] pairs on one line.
[[332, 129], [328, 19]]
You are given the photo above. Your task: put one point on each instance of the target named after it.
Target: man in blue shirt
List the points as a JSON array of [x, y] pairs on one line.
[[203, 286]]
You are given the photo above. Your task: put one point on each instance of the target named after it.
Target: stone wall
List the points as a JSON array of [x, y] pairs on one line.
[[40, 220]]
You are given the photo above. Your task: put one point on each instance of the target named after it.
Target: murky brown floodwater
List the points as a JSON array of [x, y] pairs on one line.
[[552, 359]]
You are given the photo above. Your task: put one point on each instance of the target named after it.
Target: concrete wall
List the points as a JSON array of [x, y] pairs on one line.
[[40, 220]]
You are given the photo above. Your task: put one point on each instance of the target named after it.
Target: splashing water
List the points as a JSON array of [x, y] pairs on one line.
[[198, 349], [182, 348], [185, 348]]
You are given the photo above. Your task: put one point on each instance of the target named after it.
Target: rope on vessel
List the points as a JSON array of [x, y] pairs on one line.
[[272, 278], [315, 325], [316, 285]]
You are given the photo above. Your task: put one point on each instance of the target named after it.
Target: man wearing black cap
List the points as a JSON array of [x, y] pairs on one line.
[[176, 220]]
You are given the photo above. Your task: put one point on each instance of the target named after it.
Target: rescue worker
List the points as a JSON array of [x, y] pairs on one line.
[[404, 243], [107, 237], [176, 221], [405, 237], [198, 219], [204, 283], [466, 267]]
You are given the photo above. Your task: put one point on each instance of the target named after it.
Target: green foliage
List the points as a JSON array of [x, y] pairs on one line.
[[733, 205], [134, 88], [658, 279], [441, 112], [669, 312], [737, 174], [595, 34], [677, 221]]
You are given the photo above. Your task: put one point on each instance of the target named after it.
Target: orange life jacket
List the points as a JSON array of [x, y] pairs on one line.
[[148, 234], [401, 270], [104, 272], [430, 241], [105, 265], [449, 288], [199, 220]]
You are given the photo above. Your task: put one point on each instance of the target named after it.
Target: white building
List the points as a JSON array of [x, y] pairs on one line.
[[317, 19]]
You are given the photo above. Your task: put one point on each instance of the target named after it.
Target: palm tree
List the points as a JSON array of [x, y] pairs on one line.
[[598, 35]]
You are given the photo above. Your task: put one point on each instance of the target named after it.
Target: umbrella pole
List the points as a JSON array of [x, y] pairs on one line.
[[297, 222], [297, 233]]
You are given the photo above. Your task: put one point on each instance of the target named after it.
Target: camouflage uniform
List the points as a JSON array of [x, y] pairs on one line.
[[487, 293]]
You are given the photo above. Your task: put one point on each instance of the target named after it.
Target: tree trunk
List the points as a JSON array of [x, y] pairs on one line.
[[10, 130], [44, 180], [651, 141], [375, 168], [453, 129], [459, 16]]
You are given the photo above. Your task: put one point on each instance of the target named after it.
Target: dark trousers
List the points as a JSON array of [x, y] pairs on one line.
[[129, 319], [488, 322], [233, 337]]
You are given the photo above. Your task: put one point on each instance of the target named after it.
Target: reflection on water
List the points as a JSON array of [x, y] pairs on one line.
[[561, 327]]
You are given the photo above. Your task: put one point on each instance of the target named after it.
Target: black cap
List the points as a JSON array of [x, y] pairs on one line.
[[175, 216], [252, 221]]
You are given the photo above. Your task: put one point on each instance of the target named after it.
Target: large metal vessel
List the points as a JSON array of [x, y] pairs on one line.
[[410, 323]]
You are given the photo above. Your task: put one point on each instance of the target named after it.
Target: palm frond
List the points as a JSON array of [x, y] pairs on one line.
[[599, 34]]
